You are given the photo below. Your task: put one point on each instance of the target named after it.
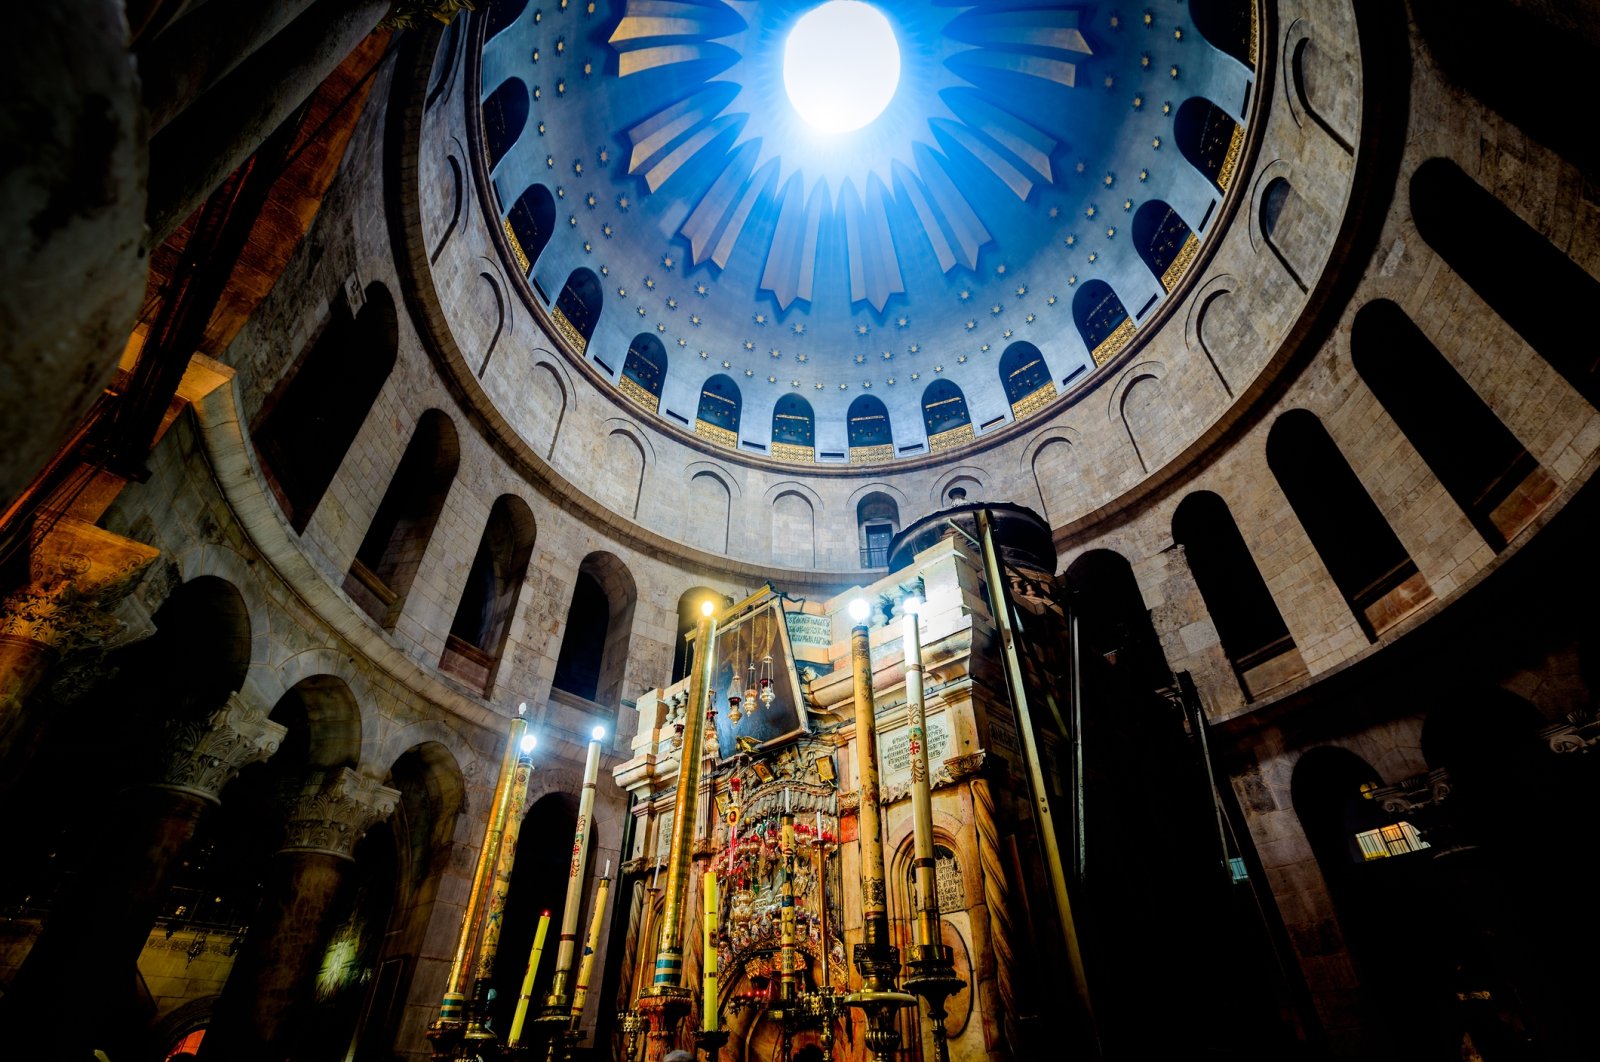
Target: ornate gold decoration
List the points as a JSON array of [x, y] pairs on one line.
[[1230, 161], [1255, 36], [719, 435], [201, 756], [415, 14], [516, 247], [568, 331], [949, 440], [1180, 265], [631, 389], [332, 814], [871, 455], [1034, 401], [797, 455], [1114, 342]]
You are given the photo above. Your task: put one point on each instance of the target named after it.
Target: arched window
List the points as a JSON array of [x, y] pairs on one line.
[[1115, 625], [483, 616], [944, 414], [1102, 320], [867, 428], [1026, 379], [877, 520], [1164, 241], [1209, 139], [1284, 216], [578, 308], [539, 882], [717, 418], [390, 554], [505, 113], [594, 646], [689, 615], [1248, 622], [644, 370], [306, 432], [1539, 291], [794, 430], [529, 225], [1368, 563], [500, 14], [1229, 25], [1477, 459]]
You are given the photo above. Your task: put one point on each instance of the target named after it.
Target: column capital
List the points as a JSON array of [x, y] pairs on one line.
[[76, 573], [201, 756], [333, 812]]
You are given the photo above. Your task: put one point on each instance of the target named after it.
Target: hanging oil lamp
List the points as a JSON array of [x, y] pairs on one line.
[[734, 700], [750, 685], [768, 694]]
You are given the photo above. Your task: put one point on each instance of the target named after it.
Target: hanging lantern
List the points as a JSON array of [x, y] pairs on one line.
[[734, 715], [768, 694]]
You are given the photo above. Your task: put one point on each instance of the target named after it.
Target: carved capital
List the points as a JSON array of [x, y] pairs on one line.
[[76, 574], [333, 813], [201, 756]]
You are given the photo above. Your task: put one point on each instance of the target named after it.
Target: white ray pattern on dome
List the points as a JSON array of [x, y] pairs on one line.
[[903, 156]]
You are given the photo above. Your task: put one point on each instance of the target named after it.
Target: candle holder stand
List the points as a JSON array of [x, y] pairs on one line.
[[933, 977], [633, 1024], [711, 1042]]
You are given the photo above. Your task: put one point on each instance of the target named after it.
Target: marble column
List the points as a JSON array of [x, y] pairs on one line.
[[76, 574], [257, 1017], [91, 944]]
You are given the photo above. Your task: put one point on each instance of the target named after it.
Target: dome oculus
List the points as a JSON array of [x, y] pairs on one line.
[[841, 65]]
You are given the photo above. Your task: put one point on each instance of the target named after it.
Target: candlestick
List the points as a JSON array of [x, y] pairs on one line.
[[708, 1011], [557, 1010], [932, 961], [452, 1007], [521, 1016], [580, 994], [786, 953]]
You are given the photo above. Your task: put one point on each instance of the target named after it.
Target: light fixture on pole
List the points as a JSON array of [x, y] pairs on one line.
[[875, 957], [932, 961]]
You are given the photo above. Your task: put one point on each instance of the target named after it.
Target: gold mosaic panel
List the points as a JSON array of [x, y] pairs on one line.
[[516, 246], [1230, 161], [797, 455], [1031, 403], [1255, 36], [1114, 342], [568, 331], [871, 455], [629, 387], [721, 436], [949, 440], [1180, 265]]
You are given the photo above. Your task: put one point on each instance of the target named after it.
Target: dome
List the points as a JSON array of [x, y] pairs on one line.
[[1034, 191]]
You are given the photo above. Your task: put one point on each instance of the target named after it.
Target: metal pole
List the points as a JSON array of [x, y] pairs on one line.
[[1001, 601], [558, 1004]]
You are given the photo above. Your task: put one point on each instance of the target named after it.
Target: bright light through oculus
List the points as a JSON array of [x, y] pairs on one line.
[[841, 65]]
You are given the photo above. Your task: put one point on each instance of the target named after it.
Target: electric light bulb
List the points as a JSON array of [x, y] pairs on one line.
[[597, 733], [528, 743], [860, 610]]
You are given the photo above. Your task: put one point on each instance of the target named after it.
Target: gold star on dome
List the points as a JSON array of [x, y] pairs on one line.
[[772, 379], [682, 342], [1006, 334], [818, 386], [861, 359], [672, 302], [938, 368], [661, 328], [561, 87], [994, 311], [694, 319], [650, 283], [970, 325], [1073, 279], [749, 372], [888, 355], [862, 330], [1144, 175], [1071, 239], [913, 348], [799, 328], [704, 355], [1155, 142], [961, 359], [1138, 102], [1149, 18], [1055, 212], [1090, 212], [1022, 289], [667, 261], [890, 381], [1110, 81], [1127, 204], [541, 128], [701, 289], [1110, 179], [590, 201], [1144, 61], [760, 318], [801, 358], [588, 248], [1110, 232], [1177, 34], [535, 56], [1174, 72], [606, 230], [572, 220], [1166, 108], [1051, 300], [622, 293], [588, 68], [1000, 270], [1094, 256], [984, 348], [866, 383], [604, 155], [749, 345], [902, 321], [844, 386], [641, 311], [727, 365], [964, 294], [1029, 318], [775, 353], [623, 203]]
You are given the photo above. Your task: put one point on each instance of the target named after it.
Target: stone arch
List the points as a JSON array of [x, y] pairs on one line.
[[1305, 79], [1210, 139], [529, 225], [548, 396], [1206, 302], [599, 626], [1050, 458], [794, 525], [970, 479], [445, 64], [433, 796], [1283, 217], [1102, 320], [1140, 403], [391, 552], [324, 724], [577, 308], [483, 614], [457, 194], [877, 521], [710, 507], [491, 305], [624, 451]]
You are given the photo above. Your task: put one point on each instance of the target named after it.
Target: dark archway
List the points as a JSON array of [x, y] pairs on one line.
[[717, 417], [505, 114], [483, 615], [1102, 320], [1026, 378], [644, 370], [1228, 25], [391, 553], [308, 426], [794, 430], [538, 885], [945, 416], [1164, 241], [1210, 139], [578, 307], [531, 222], [1368, 563], [868, 431]]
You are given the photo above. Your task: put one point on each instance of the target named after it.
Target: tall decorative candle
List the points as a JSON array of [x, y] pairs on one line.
[[521, 1016], [558, 1004], [708, 1011], [923, 867], [580, 995]]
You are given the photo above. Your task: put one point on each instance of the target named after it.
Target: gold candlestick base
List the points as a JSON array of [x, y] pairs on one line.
[[711, 1042], [883, 1039]]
